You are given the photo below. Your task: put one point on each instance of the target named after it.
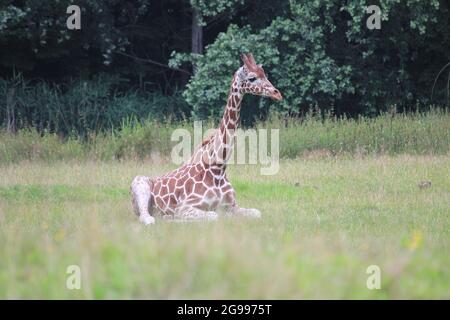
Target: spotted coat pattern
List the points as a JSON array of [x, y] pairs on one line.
[[199, 188]]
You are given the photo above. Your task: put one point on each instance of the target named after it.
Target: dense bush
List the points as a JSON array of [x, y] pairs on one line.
[[80, 107], [320, 53], [134, 59]]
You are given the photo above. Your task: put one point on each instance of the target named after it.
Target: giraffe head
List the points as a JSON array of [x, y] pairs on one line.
[[252, 79]]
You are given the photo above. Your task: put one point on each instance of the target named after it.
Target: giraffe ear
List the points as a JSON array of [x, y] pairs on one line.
[[241, 73]]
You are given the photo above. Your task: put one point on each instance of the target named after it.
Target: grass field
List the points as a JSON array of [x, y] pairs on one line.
[[426, 133], [325, 220]]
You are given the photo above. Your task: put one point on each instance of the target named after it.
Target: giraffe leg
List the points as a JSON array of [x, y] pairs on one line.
[[141, 198], [232, 209], [188, 213], [246, 212]]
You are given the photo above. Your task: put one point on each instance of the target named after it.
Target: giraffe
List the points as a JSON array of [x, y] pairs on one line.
[[200, 188]]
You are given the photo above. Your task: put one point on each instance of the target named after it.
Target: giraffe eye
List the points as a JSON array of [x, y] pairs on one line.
[[252, 79]]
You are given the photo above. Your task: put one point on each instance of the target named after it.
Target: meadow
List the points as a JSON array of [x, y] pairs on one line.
[[364, 147], [416, 133], [325, 220]]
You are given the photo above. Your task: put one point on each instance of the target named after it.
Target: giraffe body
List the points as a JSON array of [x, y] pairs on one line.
[[199, 188], [189, 192]]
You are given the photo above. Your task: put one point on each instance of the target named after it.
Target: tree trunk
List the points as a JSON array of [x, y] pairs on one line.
[[196, 35], [10, 116]]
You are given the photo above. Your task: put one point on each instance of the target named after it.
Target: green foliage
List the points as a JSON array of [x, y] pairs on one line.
[[84, 106], [318, 53], [390, 133], [10, 16], [321, 53], [38, 29], [215, 7]]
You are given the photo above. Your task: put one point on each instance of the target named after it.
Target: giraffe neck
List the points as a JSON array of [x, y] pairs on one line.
[[231, 115], [220, 149], [217, 149]]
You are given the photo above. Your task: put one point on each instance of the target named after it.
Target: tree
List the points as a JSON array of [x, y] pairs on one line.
[[318, 53], [36, 32], [321, 53]]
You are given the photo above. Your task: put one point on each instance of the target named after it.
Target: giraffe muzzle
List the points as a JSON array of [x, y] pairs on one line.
[[276, 95]]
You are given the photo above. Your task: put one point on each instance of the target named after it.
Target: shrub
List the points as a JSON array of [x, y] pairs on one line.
[[81, 107]]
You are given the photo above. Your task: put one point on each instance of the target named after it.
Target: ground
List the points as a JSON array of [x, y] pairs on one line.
[[325, 221]]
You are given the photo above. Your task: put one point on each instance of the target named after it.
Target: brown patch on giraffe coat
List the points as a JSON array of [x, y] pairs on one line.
[[208, 178], [199, 188], [189, 186], [159, 202], [164, 189], [236, 101], [199, 177], [232, 114], [171, 184], [193, 171], [173, 201]]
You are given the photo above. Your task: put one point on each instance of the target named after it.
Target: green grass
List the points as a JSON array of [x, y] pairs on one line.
[[413, 133], [325, 220]]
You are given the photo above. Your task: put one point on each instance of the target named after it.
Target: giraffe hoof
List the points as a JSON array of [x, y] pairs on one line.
[[211, 215], [254, 213], [146, 220], [251, 213]]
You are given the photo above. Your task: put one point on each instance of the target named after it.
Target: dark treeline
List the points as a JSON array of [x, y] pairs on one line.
[[172, 60]]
